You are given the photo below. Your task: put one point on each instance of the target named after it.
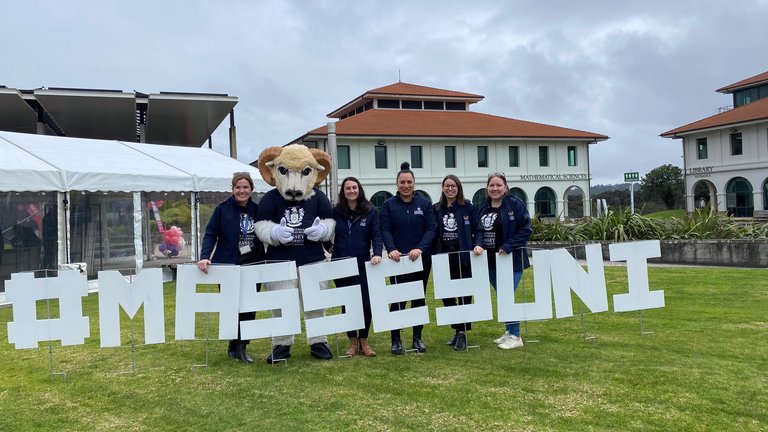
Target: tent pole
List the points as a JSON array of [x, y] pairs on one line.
[[138, 243], [62, 233]]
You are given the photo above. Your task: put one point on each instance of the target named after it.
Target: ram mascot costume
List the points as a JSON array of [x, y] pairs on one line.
[[293, 220]]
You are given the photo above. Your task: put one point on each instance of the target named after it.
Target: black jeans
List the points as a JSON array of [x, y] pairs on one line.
[[460, 268]]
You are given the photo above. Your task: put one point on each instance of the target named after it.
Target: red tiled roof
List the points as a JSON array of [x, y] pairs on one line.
[[402, 88], [413, 123], [757, 110], [757, 79]]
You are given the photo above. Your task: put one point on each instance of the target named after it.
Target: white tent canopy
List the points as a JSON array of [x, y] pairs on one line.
[[49, 163]]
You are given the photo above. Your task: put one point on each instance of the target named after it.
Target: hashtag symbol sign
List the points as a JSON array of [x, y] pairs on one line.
[[24, 290]]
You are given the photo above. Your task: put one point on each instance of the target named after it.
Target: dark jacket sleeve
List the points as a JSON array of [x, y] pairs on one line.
[[376, 237], [211, 233], [523, 228], [429, 229], [477, 226], [385, 221]]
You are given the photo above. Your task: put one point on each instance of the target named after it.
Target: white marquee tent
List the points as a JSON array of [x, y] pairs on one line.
[[72, 168], [50, 163]]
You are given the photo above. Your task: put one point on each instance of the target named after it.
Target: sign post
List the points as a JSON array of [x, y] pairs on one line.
[[632, 178]]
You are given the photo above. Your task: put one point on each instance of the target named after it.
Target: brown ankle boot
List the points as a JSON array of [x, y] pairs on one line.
[[352, 351], [365, 348]]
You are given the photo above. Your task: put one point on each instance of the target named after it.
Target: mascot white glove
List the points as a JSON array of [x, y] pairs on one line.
[[282, 233], [316, 231]]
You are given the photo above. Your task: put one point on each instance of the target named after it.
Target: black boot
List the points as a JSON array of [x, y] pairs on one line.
[[461, 341], [418, 345], [232, 349], [241, 354], [452, 342], [397, 346]]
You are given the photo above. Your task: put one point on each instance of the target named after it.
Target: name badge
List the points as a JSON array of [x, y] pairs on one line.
[[245, 249]]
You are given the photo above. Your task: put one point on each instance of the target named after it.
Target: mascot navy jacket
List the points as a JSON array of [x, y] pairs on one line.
[[298, 215], [354, 236], [466, 225], [223, 232], [408, 225], [515, 227]]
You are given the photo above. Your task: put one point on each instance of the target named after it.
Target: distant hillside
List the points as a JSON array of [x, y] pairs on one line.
[[598, 189]]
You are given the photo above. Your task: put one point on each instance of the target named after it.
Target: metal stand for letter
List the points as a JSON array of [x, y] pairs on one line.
[[642, 326], [207, 342], [274, 362], [133, 336], [338, 349], [51, 373]]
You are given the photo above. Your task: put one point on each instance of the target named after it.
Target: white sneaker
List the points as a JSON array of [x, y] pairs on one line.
[[511, 342], [503, 338]]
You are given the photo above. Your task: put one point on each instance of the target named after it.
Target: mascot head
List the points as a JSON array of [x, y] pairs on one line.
[[294, 170]]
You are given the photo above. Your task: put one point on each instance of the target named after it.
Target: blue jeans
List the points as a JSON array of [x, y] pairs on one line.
[[512, 327]]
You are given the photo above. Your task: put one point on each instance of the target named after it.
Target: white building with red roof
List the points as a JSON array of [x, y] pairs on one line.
[[726, 155], [436, 132]]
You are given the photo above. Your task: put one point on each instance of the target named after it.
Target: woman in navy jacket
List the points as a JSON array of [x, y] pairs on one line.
[[505, 227], [230, 231], [357, 231], [456, 225], [408, 228]]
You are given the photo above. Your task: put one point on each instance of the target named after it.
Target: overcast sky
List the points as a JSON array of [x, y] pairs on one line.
[[627, 69]]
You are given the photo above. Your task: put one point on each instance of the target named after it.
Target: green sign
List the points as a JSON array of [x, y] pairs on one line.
[[631, 177]]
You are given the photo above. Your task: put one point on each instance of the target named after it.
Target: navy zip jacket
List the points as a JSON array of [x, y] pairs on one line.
[[466, 220], [515, 227], [355, 239], [223, 232], [408, 225]]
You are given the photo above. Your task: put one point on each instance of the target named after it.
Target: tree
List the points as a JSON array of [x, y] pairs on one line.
[[664, 184]]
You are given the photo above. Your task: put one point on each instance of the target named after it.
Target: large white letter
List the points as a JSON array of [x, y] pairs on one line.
[[636, 255], [316, 298], [568, 275], [382, 295], [115, 291], [24, 290], [508, 309], [476, 286], [189, 301], [287, 301]]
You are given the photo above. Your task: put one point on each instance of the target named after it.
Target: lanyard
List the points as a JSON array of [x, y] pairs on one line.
[[244, 223]]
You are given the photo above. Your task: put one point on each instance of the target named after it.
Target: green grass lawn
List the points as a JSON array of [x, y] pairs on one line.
[[665, 214], [704, 367]]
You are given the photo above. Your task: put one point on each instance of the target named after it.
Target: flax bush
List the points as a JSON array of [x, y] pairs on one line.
[[622, 225]]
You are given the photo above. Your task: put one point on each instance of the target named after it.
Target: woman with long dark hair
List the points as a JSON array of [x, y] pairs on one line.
[[408, 228], [456, 225], [357, 232]]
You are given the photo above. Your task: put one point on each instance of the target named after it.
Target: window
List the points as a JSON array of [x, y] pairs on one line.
[[389, 103], [411, 104], [433, 105], [380, 153], [701, 148], [456, 106], [342, 155], [571, 155], [416, 161], [482, 156], [450, 156], [514, 156], [736, 144], [543, 156]]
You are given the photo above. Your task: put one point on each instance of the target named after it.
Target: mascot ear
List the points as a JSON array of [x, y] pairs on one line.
[[267, 156], [323, 159]]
